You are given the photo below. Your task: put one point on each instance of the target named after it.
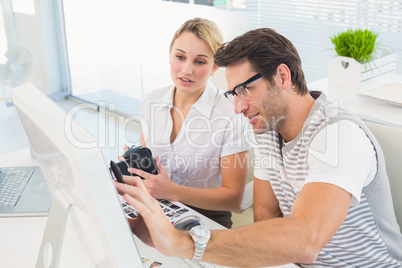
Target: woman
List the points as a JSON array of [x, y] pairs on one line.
[[192, 130]]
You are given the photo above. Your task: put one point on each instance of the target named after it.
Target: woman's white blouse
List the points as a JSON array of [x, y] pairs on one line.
[[210, 131]]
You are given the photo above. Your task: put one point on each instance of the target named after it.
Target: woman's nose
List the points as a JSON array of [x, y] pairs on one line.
[[187, 67]]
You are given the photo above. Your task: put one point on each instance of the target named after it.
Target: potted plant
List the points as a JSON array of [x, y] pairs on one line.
[[358, 44], [359, 58]]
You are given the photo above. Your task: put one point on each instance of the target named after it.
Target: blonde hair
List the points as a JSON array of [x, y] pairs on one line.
[[204, 29]]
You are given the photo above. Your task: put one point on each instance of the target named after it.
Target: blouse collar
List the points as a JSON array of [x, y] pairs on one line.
[[204, 104]]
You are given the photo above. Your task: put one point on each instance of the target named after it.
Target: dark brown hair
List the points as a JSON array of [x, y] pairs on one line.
[[265, 50]]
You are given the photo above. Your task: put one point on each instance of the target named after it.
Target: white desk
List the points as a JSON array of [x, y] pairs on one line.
[[366, 108], [21, 236]]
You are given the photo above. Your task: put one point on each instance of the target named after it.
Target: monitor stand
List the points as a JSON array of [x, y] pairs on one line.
[[52, 241]]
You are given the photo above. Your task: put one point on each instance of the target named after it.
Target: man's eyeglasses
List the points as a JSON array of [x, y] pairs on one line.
[[241, 90]]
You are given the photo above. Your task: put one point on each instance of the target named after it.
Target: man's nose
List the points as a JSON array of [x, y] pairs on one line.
[[239, 105]]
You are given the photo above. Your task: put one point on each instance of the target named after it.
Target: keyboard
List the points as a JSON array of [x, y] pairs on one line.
[[12, 184], [173, 210]]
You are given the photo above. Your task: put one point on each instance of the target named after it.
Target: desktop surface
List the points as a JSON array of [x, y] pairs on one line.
[[21, 236], [366, 108]]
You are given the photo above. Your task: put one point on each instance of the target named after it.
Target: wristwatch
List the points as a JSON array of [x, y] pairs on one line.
[[200, 235]]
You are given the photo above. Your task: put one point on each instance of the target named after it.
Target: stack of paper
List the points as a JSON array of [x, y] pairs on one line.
[[390, 93]]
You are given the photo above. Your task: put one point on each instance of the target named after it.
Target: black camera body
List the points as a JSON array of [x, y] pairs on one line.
[[138, 157]]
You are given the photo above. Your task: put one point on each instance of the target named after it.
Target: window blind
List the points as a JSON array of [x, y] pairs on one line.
[[309, 24]]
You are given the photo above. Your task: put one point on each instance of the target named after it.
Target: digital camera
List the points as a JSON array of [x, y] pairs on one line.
[[138, 157]]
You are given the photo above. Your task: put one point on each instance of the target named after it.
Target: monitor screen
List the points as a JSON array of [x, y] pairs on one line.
[[85, 210]]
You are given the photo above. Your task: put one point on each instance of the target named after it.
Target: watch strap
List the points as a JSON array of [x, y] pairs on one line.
[[200, 235], [198, 252]]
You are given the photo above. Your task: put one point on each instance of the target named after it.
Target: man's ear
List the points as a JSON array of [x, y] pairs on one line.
[[214, 69], [284, 75]]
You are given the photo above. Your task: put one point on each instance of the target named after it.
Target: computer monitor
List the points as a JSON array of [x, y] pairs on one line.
[[85, 210]]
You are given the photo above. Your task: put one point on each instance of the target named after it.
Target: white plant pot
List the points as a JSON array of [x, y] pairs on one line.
[[352, 74]]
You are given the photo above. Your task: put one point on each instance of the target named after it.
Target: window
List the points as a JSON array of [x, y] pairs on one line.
[[3, 40], [119, 51], [229, 4], [310, 23], [35, 46], [3, 59]]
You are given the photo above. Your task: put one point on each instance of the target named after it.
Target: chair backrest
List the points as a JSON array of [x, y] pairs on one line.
[[248, 196], [390, 140]]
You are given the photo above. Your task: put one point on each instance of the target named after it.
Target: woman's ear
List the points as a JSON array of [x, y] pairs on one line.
[[214, 69]]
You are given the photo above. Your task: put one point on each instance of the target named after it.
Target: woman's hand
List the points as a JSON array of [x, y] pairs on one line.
[[159, 186], [125, 148]]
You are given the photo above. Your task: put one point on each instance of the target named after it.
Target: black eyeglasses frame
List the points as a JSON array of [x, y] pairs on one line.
[[244, 84]]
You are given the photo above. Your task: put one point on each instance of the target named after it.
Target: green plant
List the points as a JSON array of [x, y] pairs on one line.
[[358, 44]]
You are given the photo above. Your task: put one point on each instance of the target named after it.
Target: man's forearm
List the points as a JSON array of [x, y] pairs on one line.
[[257, 245]]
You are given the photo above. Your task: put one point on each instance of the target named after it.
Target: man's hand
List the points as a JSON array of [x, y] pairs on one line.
[[152, 226], [140, 229]]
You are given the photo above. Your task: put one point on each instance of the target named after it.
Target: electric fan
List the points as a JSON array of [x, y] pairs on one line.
[[15, 70]]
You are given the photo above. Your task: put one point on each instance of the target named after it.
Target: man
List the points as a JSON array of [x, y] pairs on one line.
[[321, 200]]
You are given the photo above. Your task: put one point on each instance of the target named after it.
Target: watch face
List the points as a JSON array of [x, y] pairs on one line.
[[200, 234]]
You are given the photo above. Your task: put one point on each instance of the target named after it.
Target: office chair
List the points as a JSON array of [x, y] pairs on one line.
[[390, 140], [248, 198], [245, 214]]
